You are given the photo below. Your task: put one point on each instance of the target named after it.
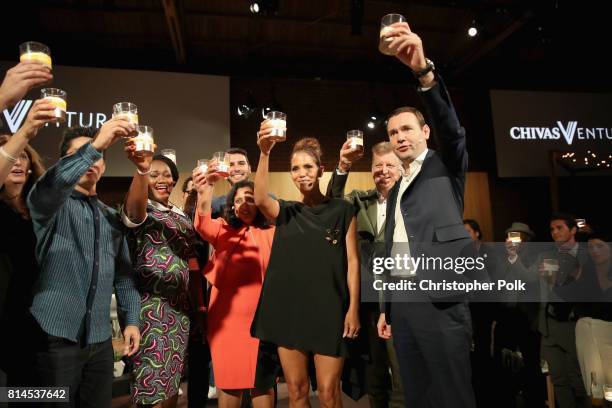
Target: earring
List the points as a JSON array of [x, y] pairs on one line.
[[29, 171]]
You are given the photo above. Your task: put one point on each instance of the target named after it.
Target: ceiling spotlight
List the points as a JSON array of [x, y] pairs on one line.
[[247, 108], [374, 119], [272, 105], [473, 28], [264, 7], [244, 110]]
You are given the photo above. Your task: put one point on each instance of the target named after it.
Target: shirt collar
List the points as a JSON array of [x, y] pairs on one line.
[[421, 157], [81, 196], [573, 251], [416, 162], [380, 198], [163, 208]]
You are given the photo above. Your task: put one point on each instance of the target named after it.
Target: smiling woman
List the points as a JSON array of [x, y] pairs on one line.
[[162, 244]]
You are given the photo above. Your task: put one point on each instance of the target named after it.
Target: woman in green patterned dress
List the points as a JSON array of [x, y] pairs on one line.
[[161, 243]]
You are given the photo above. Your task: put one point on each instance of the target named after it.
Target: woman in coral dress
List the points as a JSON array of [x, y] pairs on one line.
[[242, 241]]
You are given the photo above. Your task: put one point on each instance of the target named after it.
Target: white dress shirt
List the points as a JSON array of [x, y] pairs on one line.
[[381, 213], [400, 235]]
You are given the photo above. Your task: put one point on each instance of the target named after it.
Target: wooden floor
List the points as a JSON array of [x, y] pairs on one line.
[[283, 401]]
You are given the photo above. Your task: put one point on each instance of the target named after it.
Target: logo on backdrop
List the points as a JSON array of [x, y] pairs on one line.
[[569, 131], [16, 116]]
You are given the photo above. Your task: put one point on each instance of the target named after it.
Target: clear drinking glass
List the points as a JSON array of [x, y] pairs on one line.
[[127, 111], [35, 51], [169, 153], [514, 237], [279, 122], [385, 28], [550, 265], [607, 388], [223, 163], [57, 98], [145, 145], [203, 165], [355, 137]]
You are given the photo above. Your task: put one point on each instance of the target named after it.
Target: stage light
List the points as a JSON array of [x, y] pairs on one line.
[[264, 7], [247, 108], [271, 105], [473, 29], [244, 111], [374, 120]]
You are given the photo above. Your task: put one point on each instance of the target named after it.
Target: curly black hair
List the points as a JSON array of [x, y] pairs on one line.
[[230, 215]]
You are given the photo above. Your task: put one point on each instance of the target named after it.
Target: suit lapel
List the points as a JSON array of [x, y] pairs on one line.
[[372, 213], [365, 221], [390, 222], [419, 177]]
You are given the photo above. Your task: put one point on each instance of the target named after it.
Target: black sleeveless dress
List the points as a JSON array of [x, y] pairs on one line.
[[305, 295]]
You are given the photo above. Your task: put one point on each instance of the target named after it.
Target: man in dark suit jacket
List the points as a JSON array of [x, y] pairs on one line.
[[432, 336]]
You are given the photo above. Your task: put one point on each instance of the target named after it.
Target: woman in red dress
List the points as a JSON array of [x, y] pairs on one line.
[[242, 241]]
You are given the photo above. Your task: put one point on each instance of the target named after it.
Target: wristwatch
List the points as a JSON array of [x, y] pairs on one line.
[[428, 68]]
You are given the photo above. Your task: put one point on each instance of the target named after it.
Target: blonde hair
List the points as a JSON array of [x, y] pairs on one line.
[[382, 148]]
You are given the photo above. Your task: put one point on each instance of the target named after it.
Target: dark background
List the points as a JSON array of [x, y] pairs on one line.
[[318, 61]]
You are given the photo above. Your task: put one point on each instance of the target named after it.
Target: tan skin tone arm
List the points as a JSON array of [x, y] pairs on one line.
[[268, 206], [351, 321]]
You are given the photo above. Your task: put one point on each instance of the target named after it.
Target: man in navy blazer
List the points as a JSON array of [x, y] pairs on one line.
[[431, 330]]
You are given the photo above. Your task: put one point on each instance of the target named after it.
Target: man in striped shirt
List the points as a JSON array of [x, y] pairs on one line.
[[83, 255]]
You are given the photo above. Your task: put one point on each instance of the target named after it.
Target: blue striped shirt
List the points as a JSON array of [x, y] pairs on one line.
[[82, 253]]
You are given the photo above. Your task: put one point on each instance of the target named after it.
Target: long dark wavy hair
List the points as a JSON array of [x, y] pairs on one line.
[[36, 165], [230, 215]]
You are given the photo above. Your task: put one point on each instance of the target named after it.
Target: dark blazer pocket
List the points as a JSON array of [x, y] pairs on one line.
[[450, 233]]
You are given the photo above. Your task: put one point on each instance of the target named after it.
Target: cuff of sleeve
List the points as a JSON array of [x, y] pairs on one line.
[[89, 153], [132, 318], [129, 223], [340, 172], [427, 88], [130, 304]]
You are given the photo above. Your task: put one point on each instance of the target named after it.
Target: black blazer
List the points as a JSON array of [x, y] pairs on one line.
[[432, 206]]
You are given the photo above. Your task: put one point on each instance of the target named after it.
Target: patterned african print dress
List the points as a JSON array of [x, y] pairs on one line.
[[162, 252]]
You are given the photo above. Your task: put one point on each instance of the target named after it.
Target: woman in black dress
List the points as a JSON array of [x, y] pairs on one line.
[[310, 296], [18, 267]]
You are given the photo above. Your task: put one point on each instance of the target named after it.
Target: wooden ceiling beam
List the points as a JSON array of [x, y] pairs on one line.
[[175, 28]]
